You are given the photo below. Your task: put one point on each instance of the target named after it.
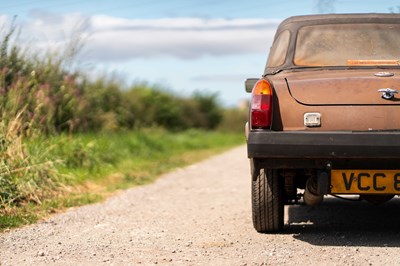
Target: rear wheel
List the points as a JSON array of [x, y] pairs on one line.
[[377, 199], [267, 200]]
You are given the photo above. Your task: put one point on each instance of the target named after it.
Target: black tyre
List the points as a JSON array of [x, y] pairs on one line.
[[376, 199], [267, 200]]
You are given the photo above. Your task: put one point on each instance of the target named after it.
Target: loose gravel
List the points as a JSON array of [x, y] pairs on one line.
[[201, 215]]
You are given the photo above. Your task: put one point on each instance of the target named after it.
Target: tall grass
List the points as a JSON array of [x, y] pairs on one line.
[[24, 176], [94, 165], [142, 153], [59, 128]]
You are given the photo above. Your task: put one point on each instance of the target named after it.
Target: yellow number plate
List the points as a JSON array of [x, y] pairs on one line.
[[365, 181]]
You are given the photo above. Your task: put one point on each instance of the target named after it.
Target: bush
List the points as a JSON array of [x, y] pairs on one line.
[[233, 120], [151, 106], [57, 100]]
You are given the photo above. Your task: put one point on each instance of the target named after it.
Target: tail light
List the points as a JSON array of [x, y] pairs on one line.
[[261, 105]]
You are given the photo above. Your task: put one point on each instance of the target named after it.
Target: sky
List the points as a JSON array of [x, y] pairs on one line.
[[178, 45]]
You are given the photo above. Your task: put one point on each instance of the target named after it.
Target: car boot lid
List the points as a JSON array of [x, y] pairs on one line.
[[345, 87]]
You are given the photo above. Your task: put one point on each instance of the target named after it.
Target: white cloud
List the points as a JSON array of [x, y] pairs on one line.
[[112, 39], [119, 39], [4, 20], [102, 22], [44, 31], [234, 78]]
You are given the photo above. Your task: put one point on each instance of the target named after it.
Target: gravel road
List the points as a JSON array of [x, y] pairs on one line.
[[201, 215]]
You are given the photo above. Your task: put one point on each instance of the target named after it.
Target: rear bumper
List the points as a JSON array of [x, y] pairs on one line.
[[316, 146]]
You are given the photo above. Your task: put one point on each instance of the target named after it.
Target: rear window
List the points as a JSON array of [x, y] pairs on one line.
[[348, 44], [278, 51]]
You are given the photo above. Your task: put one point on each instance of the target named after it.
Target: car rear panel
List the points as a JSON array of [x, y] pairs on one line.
[[347, 100]]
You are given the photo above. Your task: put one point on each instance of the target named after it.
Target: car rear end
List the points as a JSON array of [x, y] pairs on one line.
[[327, 119]]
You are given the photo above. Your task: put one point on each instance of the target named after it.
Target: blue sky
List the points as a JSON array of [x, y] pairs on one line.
[[179, 45]]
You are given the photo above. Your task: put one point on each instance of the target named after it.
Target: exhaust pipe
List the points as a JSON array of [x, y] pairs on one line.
[[311, 196]]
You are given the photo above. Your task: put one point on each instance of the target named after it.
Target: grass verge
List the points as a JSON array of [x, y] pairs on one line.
[[94, 166]]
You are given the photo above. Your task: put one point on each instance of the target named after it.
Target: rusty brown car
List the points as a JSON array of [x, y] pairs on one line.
[[325, 115]]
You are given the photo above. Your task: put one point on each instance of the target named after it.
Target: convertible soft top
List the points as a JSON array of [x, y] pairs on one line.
[[298, 21], [337, 31]]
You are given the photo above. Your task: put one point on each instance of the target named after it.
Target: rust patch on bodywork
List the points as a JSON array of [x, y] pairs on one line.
[[373, 62]]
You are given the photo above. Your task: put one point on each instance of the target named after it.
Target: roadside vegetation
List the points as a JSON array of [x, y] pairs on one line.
[[67, 139]]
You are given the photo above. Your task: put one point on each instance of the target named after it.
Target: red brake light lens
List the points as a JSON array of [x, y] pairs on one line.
[[261, 105]]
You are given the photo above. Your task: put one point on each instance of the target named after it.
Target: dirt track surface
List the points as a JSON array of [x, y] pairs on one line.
[[201, 215]]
